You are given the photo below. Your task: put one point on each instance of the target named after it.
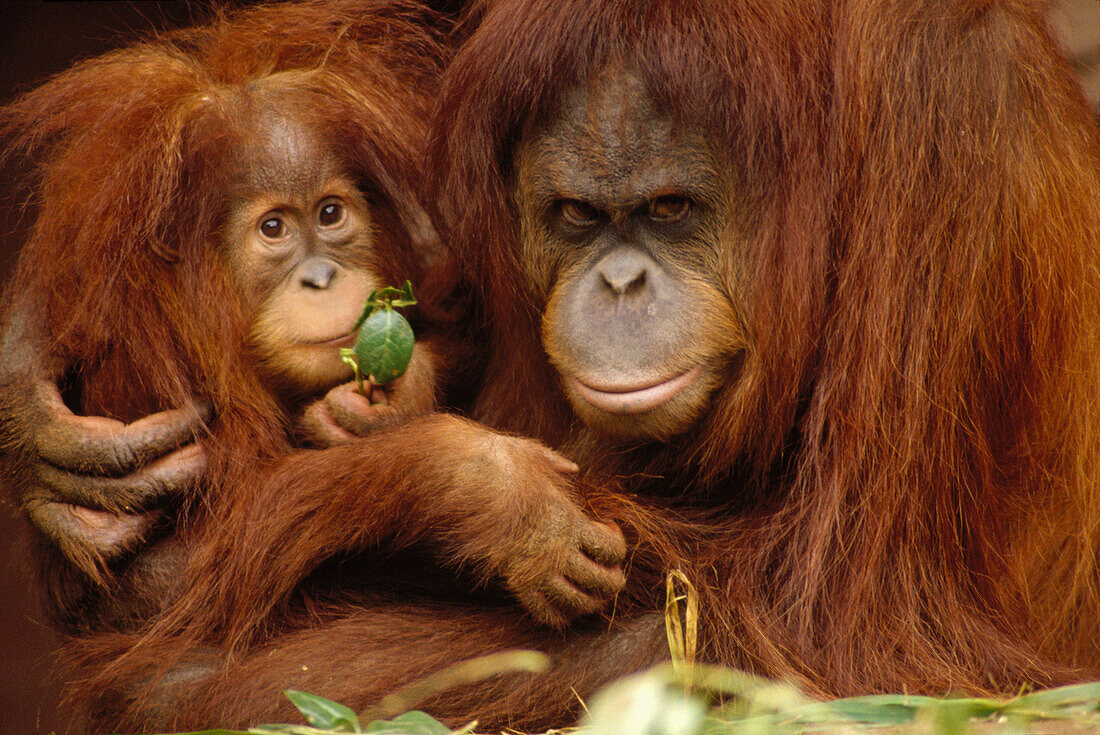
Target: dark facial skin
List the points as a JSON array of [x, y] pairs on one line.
[[296, 240], [625, 221]]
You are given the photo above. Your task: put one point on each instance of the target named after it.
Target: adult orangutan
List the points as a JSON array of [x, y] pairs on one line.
[[808, 291]]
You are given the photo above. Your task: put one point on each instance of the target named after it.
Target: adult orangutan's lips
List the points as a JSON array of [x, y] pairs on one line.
[[626, 399]]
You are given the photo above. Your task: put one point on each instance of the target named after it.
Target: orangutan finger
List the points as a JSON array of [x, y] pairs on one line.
[[319, 427], [356, 412], [592, 577], [97, 445], [87, 536], [557, 462], [572, 601], [540, 608], [603, 542], [166, 477]]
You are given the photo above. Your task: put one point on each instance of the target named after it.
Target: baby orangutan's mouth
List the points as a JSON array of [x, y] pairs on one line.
[[637, 397], [346, 340]]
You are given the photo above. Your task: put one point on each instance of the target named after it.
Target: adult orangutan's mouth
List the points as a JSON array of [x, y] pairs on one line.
[[634, 398]]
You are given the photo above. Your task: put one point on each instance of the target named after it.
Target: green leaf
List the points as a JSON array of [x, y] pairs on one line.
[[387, 298], [464, 672], [1076, 697], [953, 717], [858, 709], [323, 713], [884, 709], [384, 346], [219, 731], [410, 723]]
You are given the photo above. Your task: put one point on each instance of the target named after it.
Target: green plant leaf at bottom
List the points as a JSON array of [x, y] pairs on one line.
[[410, 723], [323, 713]]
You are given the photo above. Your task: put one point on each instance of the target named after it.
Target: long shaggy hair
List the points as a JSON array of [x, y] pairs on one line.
[[899, 489]]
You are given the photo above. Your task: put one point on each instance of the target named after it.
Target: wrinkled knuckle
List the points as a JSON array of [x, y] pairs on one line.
[[140, 490], [121, 456]]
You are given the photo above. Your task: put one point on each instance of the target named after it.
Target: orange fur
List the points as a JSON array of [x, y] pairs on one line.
[[899, 491]]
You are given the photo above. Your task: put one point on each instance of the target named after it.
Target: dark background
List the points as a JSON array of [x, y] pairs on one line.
[[41, 38]]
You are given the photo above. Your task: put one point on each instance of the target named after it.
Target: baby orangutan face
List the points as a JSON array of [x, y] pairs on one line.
[[298, 239]]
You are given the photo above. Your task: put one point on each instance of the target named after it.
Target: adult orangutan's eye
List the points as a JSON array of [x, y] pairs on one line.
[[578, 213], [669, 208]]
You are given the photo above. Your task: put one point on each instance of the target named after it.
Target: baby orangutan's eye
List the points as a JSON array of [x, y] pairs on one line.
[[331, 214], [272, 228]]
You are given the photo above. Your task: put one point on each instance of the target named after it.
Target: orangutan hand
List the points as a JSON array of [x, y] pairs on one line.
[[344, 413], [519, 522], [91, 485]]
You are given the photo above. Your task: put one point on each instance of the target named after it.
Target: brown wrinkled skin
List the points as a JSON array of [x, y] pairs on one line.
[[850, 391]]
